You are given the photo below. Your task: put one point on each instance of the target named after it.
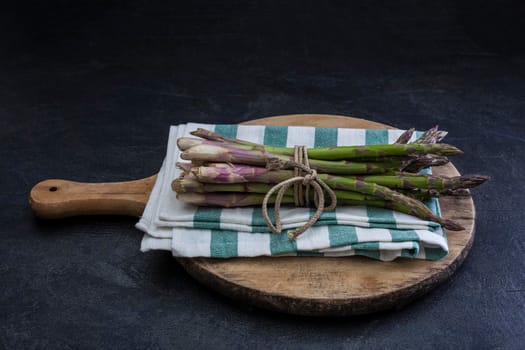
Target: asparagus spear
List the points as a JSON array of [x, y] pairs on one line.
[[215, 153], [424, 194], [424, 161], [403, 158], [190, 185], [349, 152], [333, 153], [425, 182], [213, 136], [244, 174]]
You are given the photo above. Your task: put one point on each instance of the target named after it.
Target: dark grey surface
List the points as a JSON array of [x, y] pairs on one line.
[[89, 88]]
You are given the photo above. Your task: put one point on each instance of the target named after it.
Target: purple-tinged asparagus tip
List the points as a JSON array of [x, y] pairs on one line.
[[470, 181], [405, 137], [207, 134], [431, 136]]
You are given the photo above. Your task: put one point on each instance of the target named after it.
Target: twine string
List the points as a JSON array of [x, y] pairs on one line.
[[304, 178]]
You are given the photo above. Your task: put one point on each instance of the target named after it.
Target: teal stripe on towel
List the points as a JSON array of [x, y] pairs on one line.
[[434, 253], [325, 137], [382, 218], [228, 130], [276, 135], [404, 235], [327, 217], [258, 223], [342, 235], [207, 215], [432, 204], [376, 136], [223, 244], [280, 244], [411, 253], [369, 249]]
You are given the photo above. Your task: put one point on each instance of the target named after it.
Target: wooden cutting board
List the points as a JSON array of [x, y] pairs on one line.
[[316, 286]]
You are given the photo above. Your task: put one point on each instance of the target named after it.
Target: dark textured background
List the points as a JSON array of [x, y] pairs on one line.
[[89, 88]]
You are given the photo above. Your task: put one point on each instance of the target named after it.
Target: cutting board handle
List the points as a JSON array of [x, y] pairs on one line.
[[54, 199]]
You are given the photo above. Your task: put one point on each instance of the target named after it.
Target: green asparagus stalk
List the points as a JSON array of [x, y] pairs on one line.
[[333, 153], [215, 153], [404, 158], [190, 185], [349, 152], [413, 163], [425, 182], [245, 174], [423, 194]]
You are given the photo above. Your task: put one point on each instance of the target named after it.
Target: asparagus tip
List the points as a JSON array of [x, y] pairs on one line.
[[405, 136], [470, 181], [451, 225], [449, 150], [431, 136]]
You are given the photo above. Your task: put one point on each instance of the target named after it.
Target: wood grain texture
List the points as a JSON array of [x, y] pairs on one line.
[[55, 199], [316, 286]]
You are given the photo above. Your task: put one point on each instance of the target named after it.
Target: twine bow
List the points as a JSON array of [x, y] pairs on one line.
[[303, 176]]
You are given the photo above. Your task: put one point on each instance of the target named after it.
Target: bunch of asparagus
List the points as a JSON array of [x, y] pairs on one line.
[[229, 172]]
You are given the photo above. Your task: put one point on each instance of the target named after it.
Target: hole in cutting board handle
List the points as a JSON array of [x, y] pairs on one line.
[[53, 189]]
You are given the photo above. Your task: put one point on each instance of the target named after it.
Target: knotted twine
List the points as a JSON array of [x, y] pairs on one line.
[[303, 176]]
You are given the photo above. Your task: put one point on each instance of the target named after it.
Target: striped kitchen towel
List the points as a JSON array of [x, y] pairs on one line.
[[191, 231]]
